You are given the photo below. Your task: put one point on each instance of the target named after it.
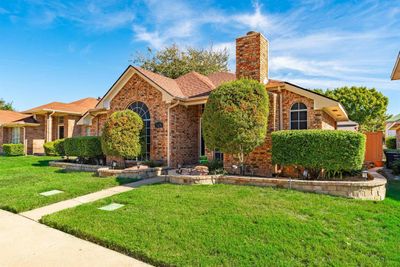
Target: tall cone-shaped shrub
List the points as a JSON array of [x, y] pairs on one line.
[[121, 134], [235, 118]]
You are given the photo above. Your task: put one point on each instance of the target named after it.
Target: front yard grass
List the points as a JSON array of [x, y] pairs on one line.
[[241, 226], [23, 178]]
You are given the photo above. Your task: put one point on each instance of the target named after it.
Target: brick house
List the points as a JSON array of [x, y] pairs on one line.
[[42, 124], [172, 108], [395, 124]]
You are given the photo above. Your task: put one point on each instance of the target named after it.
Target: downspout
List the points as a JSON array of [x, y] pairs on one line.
[[168, 133]]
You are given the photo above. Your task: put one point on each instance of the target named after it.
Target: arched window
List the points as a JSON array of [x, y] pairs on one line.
[[298, 117], [141, 109]]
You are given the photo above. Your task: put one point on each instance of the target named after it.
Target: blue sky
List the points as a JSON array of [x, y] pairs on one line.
[[66, 50]]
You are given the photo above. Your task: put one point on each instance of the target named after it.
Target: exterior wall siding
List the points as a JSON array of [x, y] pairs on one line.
[[185, 135]]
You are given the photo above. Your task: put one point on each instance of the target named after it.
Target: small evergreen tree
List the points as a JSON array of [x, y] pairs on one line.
[[235, 118], [121, 134]]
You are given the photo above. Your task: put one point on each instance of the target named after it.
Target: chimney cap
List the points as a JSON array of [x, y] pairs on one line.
[[250, 32]]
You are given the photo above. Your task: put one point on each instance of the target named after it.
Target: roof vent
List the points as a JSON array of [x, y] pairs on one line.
[[250, 32]]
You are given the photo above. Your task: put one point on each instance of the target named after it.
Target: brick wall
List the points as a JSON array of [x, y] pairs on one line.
[[97, 125], [137, 89], [185, 134], [252, 57], [37, 132]]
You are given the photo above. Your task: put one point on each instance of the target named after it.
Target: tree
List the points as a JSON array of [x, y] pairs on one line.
[[235, 118], [363, 105], [5, 106], [121, 134], [173, 62]]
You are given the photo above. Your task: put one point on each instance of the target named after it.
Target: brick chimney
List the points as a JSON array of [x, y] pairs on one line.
[[252, 57]]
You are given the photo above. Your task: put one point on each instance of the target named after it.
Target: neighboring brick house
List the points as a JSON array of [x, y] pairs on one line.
[[42, 124], [172, 108]]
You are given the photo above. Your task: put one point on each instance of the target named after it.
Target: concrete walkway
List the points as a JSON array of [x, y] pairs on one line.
[[24, 242], [38, 213]]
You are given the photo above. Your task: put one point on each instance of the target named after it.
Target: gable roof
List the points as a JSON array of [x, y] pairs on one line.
[[8, 117], [77, 107], [396, 69], [194, 87]]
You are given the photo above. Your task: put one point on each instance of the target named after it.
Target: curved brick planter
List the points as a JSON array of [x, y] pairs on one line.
[[374, 189], [75, 166]]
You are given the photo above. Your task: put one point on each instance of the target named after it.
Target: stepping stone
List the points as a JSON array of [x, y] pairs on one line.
[[111, 207], [51, 193]]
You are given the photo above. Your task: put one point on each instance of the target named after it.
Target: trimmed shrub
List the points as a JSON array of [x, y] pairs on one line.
[[13, 149], [121, 134], [49, 149], [235, 118], [59, 147], [83, 147], [391, 142], [317, 150]]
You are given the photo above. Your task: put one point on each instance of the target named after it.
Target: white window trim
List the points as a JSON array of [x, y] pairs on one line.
[[298, 113]]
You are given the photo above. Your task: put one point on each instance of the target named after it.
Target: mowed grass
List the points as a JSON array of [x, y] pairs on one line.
[[23, 178], [241, 226]]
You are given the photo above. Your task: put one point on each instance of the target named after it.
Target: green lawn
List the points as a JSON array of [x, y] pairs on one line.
[[23, 178], [241, 226]]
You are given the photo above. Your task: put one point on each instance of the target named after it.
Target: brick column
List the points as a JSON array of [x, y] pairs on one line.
[[1, 140]]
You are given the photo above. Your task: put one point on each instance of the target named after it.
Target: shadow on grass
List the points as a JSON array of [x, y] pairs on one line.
[[42, 163], [119, 180]]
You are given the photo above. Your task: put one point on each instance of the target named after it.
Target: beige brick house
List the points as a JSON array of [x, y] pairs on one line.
[[42, 124], [172, 108]]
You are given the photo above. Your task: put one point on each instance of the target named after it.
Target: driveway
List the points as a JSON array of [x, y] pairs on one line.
[[24, 242]]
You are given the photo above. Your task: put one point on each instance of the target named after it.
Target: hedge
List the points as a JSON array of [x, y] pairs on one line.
[[13, 149], [391, 142], [59, 147], [49, 149], [335, 151], [83, 147], [54, 148]]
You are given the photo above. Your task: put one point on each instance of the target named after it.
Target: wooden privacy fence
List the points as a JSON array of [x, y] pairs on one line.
[[374, 148]]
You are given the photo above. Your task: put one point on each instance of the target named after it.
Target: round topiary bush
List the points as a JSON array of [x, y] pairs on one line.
[[235, 118], [121, 134]]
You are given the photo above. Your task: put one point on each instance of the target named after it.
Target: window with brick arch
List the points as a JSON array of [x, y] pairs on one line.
[[298, 116], [142, 110]]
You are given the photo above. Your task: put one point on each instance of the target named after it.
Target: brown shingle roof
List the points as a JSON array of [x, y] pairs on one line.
[[168, 84], [7, 116], [194, 84], [219, 78], [80, 106]]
